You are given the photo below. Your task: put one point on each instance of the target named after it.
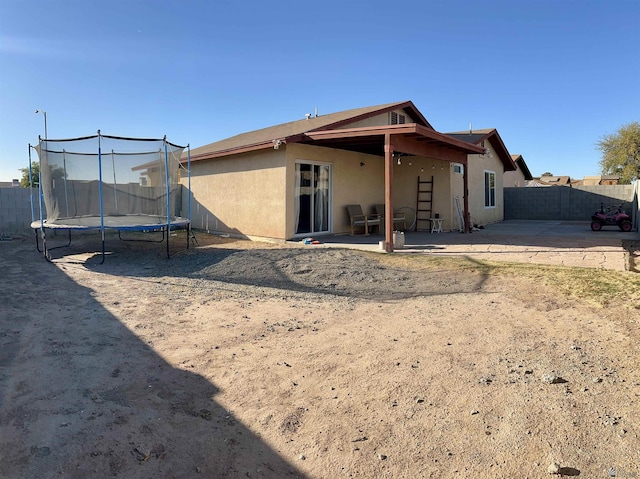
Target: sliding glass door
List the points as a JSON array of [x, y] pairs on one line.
[[312, 198]]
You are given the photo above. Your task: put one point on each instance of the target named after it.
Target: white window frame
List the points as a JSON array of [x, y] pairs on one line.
[[458, 168], [489, 199]]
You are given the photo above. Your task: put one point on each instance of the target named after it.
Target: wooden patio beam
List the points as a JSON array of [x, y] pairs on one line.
[[411, 146]]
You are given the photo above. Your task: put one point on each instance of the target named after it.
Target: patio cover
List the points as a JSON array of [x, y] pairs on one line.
[[411, 139]]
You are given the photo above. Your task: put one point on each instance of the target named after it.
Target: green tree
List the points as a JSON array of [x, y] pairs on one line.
[[35, 175], [57, 173], [621, 153]]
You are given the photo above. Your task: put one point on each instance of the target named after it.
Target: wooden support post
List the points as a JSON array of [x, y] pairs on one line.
[[465, 197], [388, 196]]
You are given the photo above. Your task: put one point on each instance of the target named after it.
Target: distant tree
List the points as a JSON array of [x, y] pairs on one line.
[[621, 153], [57, 173], [547, 173], [35, 175]]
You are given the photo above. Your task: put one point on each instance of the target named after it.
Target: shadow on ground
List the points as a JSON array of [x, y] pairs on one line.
[[82, 396]]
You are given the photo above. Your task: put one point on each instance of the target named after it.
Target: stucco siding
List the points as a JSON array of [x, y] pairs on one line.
[[351, 183], [478, 165], [253, 194], [514, 179], [378, 120], [405, 182], [242, 194], [406, 177], [364, 185]]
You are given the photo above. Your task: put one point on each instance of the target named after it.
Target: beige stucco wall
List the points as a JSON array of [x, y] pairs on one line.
[[406, 187], [364, 185], [378, 120], [514, 178], [478, 164], [242, 194], [252, 194], [351, 183]]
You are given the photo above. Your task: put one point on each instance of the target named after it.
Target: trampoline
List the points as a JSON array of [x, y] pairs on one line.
[[109, 183]]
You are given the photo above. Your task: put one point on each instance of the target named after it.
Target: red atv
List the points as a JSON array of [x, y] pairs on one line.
[[611, 216]]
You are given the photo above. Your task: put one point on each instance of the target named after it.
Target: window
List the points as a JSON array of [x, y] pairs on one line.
[[398, 119], [489, 189], [458, 168]]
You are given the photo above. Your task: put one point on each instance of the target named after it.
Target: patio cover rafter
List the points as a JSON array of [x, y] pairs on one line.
[[409, 138]]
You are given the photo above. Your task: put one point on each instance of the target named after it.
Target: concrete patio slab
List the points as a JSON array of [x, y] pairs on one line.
[[561, 243]]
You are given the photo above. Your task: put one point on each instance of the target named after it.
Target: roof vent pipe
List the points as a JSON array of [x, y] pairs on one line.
[[316, 112], [307, 115]]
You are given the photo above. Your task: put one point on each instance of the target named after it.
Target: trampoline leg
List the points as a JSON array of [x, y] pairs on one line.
[[37, 241], [45, 251], [102, 262], [192, 236], [68, 242]]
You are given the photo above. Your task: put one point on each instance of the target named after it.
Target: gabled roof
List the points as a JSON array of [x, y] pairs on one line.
[[476, 137], [265, 137], [554, 180], [519, 160]]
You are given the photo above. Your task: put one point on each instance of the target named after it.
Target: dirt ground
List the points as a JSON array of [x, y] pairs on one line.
[[239, 359]]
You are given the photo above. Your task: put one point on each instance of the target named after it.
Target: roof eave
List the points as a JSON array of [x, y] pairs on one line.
[[234, 151], [494, 138]]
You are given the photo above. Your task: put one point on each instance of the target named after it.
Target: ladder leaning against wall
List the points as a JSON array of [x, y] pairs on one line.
[[424, 204]]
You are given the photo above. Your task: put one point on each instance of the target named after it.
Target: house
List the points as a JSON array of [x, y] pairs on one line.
[[520, 176], [549, 180], [10, 184], [295, 180], [601, 180], [487, 174]]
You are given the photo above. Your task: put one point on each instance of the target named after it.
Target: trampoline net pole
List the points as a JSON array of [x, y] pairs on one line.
[[64, 178], [189, 184], [41, 193], [115, 184], [167, 186], [100, 187], [33, 212]]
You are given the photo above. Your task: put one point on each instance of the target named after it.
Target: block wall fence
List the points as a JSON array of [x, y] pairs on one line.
[[15, 210], [552, 203], [576, 203]]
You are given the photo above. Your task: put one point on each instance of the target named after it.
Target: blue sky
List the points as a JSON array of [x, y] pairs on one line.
[[553, 76]]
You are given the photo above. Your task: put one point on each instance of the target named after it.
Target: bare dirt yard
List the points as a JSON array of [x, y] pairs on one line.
[[243, 359]]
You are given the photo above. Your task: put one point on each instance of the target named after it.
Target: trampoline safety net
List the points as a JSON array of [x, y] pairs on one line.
[[85, 181]]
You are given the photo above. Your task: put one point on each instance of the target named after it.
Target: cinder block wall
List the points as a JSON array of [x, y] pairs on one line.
[[15, 210], [565, 203]]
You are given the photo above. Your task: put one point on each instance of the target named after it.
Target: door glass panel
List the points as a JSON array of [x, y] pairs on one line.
[[321, 198], [312, 193]]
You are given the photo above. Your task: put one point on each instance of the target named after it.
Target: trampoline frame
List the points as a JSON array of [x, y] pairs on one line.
[[102, 222], [159, 227]]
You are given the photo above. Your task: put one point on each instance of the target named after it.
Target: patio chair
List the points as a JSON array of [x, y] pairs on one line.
[[398, 218], [358, 219]]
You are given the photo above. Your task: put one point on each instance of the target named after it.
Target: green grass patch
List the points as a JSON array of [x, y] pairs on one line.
[[597, 286]]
